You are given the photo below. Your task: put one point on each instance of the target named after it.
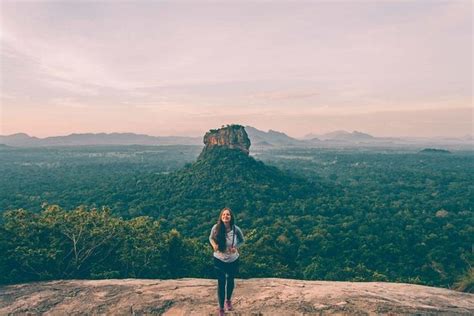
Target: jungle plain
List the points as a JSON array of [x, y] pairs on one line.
[[396, 215]]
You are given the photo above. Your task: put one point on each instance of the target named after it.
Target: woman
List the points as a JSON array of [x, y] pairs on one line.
[[225, 238]]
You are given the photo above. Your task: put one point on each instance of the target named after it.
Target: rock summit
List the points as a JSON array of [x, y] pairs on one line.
[[230, 136]]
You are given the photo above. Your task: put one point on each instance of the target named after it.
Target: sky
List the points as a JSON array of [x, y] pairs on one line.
[[387, 68]]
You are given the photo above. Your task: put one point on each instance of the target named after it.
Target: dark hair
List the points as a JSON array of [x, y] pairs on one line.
[[220, 234]]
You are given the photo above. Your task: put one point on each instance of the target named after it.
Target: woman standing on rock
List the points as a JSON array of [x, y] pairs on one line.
[[225, 239]]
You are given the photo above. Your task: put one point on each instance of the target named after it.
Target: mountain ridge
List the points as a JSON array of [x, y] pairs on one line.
[[259, 139], [85, 139]]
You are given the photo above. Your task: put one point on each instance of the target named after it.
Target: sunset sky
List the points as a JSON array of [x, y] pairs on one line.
[[388, 68]]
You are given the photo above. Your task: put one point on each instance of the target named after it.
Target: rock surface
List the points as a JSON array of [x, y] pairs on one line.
[[251, 297], [231, 136]]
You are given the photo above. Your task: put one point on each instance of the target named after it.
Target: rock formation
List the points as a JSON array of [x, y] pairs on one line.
[[230, 136], [251, 297]]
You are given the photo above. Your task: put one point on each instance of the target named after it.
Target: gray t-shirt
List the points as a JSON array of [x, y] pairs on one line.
[[235, 237]]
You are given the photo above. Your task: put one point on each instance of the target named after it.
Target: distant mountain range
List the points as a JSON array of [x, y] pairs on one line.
[[271, 138], [24, 140], [259, 139]]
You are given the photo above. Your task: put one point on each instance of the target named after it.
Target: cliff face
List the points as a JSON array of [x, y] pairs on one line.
[[231, 136], [251, 297]]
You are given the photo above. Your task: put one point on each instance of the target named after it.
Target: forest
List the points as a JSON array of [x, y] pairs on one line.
[[308, 213]]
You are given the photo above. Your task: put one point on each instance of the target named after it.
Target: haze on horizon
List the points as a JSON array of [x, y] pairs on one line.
[[387, 68]]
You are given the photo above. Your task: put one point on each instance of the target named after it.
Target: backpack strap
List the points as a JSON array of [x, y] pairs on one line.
[[233, 235]]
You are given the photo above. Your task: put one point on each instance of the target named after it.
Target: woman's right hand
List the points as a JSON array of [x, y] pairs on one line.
[[215, 247]]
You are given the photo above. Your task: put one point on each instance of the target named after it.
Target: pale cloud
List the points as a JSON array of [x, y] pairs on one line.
[[67, 116], [58, 64], [188, 65], [70, 103], [72, 87], [284, 95]]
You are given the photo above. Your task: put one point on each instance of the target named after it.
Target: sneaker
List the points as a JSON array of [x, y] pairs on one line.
[[221, 312], [228, 305]]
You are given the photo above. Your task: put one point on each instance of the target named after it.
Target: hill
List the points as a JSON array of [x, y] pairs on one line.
[[271, 138], [226, 175], [346, 136], [434, 151], [251, 297], [87, 139]]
